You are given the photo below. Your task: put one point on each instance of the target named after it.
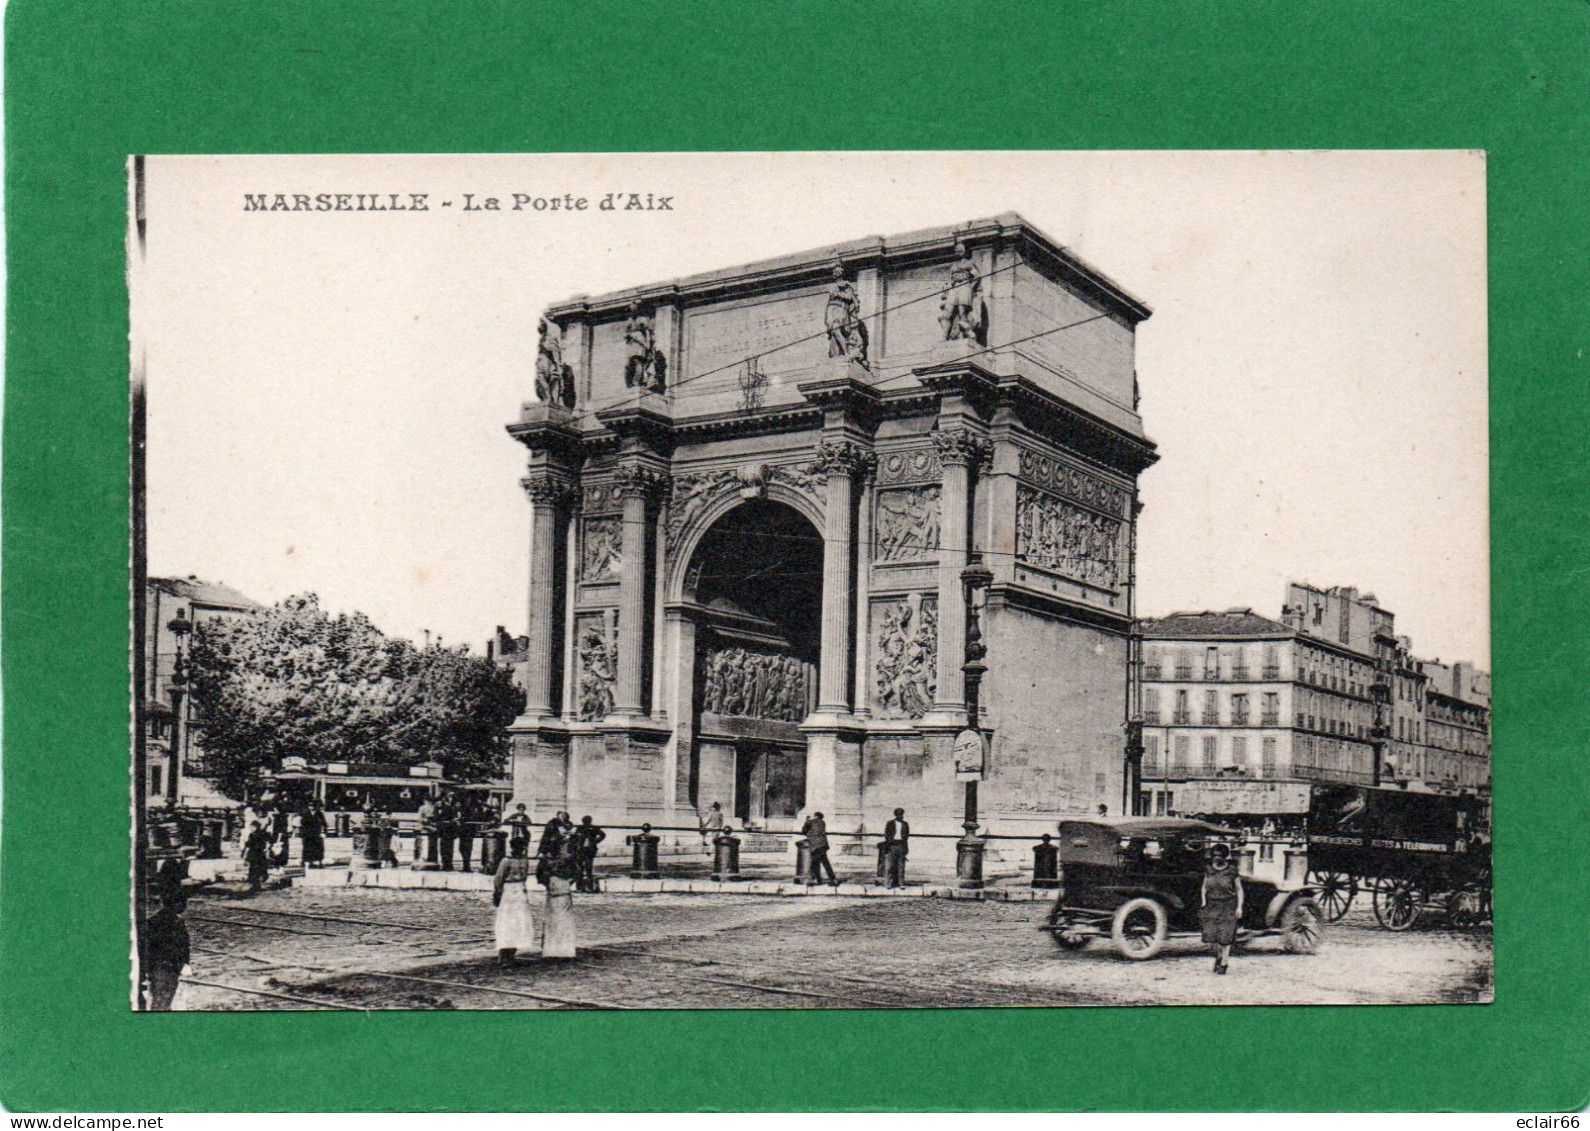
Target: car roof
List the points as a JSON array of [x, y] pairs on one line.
[[1151, 826]]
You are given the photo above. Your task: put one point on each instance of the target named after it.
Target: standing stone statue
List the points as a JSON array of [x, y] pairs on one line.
[[554, 383], [847, 334], [643, 362], [961, 311]]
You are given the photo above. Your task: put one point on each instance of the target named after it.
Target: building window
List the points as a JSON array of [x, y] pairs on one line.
[[1151, 705], [1239, 750], [1183, 665], [1239, 664], [1162, 802], [1151, 664], [1272, 662], [1179, 763], [1183, 712], [1211, 663], [1239, 710], [1272, 709], [1210, 753], [1211, 708], [156, 773], [1151, 754]]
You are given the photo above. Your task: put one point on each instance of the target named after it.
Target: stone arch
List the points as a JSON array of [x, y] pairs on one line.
[[682, 550]]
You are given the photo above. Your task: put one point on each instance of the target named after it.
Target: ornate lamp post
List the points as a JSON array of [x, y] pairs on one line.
[[970, 745], [179, 626]]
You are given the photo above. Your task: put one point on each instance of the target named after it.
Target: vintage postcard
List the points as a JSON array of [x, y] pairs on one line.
[[810, 580]]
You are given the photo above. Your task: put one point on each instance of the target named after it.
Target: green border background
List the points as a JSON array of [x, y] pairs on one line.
[[89, 83]]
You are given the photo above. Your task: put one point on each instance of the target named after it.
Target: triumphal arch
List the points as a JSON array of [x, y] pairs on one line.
[[754, 493]]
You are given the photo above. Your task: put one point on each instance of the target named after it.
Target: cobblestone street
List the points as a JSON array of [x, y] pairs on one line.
[[372, 949]]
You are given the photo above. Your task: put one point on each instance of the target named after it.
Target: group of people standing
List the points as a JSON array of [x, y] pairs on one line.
[[565, 863], [266, 832]]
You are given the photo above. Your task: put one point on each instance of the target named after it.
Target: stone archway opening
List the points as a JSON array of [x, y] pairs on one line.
[[757, 580]]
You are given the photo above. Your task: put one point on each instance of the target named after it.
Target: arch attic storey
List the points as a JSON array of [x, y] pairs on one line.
[[751, 503]]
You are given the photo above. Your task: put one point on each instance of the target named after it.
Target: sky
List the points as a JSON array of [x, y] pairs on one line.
[[328, 391]]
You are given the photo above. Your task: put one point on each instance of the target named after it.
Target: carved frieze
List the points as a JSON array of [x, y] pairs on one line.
[[759, 685], [596, 654], [909, 465], [1060, 536], [637, 480], [1061, 478], [906, 524], [598, 498], [907, 657], [602, 548]]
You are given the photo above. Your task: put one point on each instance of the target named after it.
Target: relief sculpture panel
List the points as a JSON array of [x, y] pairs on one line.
[[758, 685], [601, 555], [906, 527], [1059, 536], [907, 651], [596, 653]]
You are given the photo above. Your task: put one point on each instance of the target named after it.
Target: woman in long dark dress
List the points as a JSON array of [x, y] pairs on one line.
[[1221, 904]]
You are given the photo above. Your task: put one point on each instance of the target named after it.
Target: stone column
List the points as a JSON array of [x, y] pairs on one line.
[[959, 453], [841, 460], [636, 486], [547, 493], [861, 701]]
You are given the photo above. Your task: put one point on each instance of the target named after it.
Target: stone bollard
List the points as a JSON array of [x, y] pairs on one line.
[[643, 857], [1046, 864], [803, 860], [493, 847], [883, 862], [371, 843], [725, 856], [430, 848], [969, 860]]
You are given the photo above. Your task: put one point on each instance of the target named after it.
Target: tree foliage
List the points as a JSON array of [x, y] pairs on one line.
[[297, 681]]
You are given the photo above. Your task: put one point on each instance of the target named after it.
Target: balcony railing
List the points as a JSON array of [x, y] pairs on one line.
[[1240, 673], [1183, 673], [1182, 718], [1239, 718], [1151, 718], [1211, 718], [1151, 671], [1272, 671], [1269, 719]]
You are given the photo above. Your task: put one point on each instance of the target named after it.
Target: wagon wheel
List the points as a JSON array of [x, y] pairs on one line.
[[1336, 891], [1065, 940], [1398, 904], [1463, 907]]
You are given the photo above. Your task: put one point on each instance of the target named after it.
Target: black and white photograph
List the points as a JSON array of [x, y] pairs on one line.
[[863, 580]]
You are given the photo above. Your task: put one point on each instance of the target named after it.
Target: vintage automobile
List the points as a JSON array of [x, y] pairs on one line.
[[1137, 881]]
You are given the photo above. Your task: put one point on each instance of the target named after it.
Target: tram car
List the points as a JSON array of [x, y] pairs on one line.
[[1412, 852], [1137, 881]]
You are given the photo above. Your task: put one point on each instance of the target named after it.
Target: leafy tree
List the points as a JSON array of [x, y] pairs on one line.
[[297, 681]]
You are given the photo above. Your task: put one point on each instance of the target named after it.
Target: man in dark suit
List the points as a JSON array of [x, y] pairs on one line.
[[815, 830], [897, 846]]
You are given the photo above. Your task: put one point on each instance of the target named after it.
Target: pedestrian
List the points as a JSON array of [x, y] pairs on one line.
[[312, 831], [446, 830], [562, 869], [897, 842], [1104, 810], [1220, 903], [711, 824], [466, 832], [282, 829], [256, 854], [586, 837], [246, 821], [514, 929], [815, 830], [163, 953]]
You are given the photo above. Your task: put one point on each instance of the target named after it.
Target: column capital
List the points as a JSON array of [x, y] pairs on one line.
[[843, 457], [636, 480], [548, 488], [964, 447]]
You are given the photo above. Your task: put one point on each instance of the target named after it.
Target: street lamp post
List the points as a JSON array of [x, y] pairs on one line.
[[180, 626], [971, 745]]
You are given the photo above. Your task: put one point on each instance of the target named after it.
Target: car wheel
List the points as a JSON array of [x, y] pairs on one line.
[[1302, 926], [1139, 928]]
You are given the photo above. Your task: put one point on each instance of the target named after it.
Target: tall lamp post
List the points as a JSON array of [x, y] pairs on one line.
[[970, 745], [179, 626]]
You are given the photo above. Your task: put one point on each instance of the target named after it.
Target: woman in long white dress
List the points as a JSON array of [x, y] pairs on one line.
[[561, 872], [515, 928]]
